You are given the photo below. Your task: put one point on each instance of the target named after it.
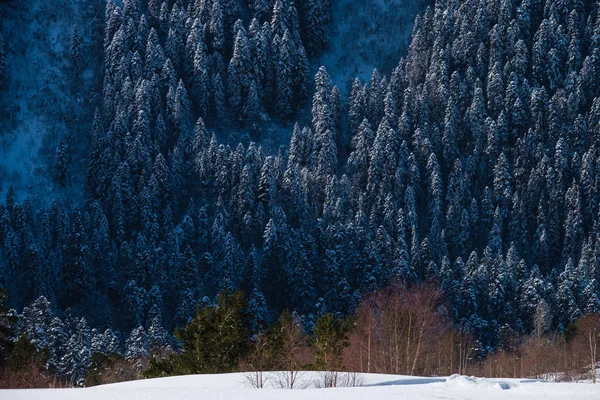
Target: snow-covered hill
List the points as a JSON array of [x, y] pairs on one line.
[[380, 387]]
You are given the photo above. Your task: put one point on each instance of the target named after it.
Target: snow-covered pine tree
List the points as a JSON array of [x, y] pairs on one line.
[[3, 71], [75, 57], [137, 345], [284, 78], [316, 17]]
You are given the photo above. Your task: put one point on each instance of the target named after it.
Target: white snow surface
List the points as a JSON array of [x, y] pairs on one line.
[[377, 387]]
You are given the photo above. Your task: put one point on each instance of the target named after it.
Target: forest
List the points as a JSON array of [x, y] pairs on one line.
[[472, 166]]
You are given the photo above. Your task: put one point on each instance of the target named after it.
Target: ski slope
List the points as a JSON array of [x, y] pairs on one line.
[[379, 387]]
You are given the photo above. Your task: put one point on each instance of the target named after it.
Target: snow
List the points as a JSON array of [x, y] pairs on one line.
[[380, 387], [38, 103], [365, 35]]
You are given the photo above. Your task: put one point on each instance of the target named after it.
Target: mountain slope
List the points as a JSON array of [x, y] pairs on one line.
[[366, 35], [39, 103]]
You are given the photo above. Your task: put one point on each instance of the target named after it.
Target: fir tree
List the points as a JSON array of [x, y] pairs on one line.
[[61, 163], [75, 57], [329, 342], [284, 85], [7, 326], [316, 16], [3, 72]]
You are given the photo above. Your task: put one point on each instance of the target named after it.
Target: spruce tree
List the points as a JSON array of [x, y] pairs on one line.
[[316, 16], [75, 57], [7, 326], [330, 339], [3, 71], [284, 85]]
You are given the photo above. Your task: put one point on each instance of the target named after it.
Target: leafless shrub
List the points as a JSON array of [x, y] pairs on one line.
[[257, 362], [122, 370], [290, 380], [327, 379], [351, 379], [256, 379]]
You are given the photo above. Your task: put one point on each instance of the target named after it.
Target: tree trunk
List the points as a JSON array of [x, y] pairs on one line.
[[408, 344], [418, 349], [593, 344]]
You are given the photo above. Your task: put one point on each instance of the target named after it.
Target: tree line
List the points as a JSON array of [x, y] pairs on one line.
[[396, 330]]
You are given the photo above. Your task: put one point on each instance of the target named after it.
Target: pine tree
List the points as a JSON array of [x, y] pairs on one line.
[[155, 57], [58, 340], [573, 223], [133, 303], [213, 341], [179, 109], [284, 85], [257, 307], [158, 338], [234, 92], [137, 345], [77, 277], [316, 16], [61, 163], [201, 82], [329, 342], [217, 109], [566, 295], [253, 106], [358, 161], [3, 72], [280, 18], [358, 106], [322, 113], [259, 7], [217, 27], [7, 326], [301, 79], [75, 57]]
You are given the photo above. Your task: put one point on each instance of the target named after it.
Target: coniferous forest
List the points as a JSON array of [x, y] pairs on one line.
[[473, 165]]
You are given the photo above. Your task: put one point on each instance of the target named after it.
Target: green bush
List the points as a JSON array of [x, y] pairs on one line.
[[330, 340], [214, 341]]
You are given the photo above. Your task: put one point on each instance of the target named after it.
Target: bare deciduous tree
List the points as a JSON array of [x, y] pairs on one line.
[[258, 362], [405, 330], [292, 343]]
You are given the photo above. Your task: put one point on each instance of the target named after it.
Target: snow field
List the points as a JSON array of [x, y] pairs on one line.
[[375, 386]]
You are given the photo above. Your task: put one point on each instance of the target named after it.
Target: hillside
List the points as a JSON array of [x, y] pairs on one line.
[[40, 108], [162, 157], [368, 35]]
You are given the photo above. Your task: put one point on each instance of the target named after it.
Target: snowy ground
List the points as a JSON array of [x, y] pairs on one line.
[[368, 34], [380, 387], [38, 107]]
